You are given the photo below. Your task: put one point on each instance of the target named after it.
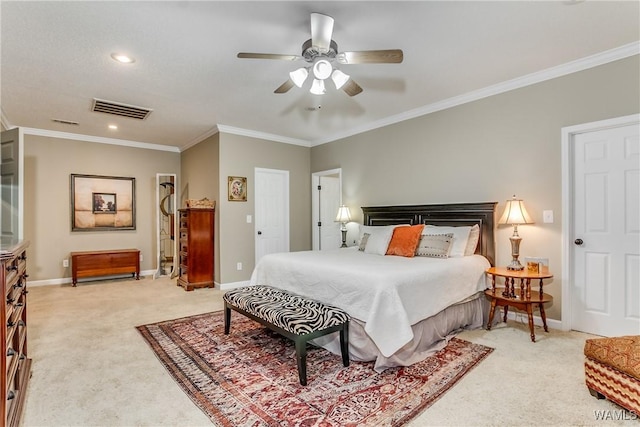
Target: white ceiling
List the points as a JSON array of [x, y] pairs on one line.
[[56, 59]]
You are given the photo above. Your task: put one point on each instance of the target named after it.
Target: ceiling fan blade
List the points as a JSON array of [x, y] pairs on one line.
[[268, 56], [351, 88], [389, 56], [284, 87], [321, 31]]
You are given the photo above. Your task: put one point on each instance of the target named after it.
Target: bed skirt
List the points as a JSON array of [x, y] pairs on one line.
[[430, 335]]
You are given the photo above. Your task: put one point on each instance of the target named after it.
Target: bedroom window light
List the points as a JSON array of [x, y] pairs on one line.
[[343, 217], [515, 214]]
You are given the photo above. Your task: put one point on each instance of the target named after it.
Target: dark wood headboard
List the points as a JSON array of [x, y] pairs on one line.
[[455, 214]]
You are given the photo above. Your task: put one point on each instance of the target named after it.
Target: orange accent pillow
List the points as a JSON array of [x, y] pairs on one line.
[[405, 240]]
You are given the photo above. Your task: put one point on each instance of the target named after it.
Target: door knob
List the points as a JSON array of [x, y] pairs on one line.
[[259, 233], [578, 242]]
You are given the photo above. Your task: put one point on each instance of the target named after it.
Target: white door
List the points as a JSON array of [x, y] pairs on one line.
[[10, 176], [271, 211], [605, 298], [326, 191]]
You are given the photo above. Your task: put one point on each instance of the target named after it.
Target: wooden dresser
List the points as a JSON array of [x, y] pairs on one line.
[[16, 369], [196, 248]]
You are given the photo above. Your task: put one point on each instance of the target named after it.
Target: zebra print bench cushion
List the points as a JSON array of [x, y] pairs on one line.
[[293, 313]]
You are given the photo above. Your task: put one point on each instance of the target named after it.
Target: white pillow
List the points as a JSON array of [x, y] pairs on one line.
[[434, 245], [460, 237], [472, 243], [379, 238]]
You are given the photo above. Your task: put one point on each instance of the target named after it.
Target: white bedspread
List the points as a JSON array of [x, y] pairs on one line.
[[387, 293]]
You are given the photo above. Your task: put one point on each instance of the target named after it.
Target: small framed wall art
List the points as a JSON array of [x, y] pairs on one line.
[[237, 189]]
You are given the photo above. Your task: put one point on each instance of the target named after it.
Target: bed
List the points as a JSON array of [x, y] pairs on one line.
[[400, 313]]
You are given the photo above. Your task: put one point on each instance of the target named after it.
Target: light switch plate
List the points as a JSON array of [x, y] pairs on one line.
[[547, 217]]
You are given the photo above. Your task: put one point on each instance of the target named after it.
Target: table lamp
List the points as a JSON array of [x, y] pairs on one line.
[[343, 217], [515, 214]]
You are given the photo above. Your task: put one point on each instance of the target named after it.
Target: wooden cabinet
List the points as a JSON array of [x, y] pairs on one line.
[[103, 263], [17, 366], [196, 248]]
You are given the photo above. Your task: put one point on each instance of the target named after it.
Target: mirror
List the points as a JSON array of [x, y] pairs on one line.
[[166, 183]]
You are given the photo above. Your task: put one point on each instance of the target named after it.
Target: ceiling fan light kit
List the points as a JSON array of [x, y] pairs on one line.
[[322, 69], [339, 78], [317, 88], [321, 52], [299, 76]]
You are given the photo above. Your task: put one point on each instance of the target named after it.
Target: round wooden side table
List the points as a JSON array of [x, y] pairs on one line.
[[523, 299]]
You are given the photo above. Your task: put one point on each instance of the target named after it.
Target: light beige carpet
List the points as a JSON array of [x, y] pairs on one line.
[[91, 367]]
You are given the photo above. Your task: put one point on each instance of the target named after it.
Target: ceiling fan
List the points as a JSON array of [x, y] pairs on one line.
[[321, 53]]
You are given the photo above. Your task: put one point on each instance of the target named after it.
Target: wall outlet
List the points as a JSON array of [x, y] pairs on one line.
[[141, 257], [239, 266], [65, 263], [547, 217]]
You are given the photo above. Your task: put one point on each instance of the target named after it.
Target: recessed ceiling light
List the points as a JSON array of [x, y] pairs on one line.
[[113, 127], [121, 57]]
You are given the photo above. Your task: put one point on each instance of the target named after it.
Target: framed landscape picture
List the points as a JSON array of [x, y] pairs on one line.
[[102, 203]]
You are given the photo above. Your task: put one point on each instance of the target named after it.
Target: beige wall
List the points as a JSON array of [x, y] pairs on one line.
[[486, 151], [48, 164], [239, 156], [200, 167], [482, 151]]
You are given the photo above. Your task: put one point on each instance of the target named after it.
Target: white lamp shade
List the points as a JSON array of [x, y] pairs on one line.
[[515, 213], [343, 214], [317, 88], [322, 69], [339, 78], [299, 76]]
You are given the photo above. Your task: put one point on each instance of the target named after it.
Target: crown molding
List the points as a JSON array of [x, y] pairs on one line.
[[582, 64], [4, 120], [263, 135], [199, 139], [99, 139]]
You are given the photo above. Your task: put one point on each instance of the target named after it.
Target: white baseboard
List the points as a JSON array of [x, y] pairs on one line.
[[537, 320], [66, 280], [232, 285]]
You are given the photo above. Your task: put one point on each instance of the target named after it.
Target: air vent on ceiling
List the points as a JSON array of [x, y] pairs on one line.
[[123, 110], [65, 122]]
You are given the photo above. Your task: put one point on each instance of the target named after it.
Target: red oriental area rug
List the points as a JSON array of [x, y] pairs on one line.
[[249, 377]]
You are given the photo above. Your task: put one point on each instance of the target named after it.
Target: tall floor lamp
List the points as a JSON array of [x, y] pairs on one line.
[[515, 214], [343, 217]]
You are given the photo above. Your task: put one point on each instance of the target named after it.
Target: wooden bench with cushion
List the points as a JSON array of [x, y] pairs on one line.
[[612, 370], [293, 316]]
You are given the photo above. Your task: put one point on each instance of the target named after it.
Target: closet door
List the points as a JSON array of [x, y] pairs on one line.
[[271, 211]]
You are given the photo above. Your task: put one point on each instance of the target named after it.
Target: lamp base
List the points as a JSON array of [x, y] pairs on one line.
[[515, 250], [344, 239], [515, 265]]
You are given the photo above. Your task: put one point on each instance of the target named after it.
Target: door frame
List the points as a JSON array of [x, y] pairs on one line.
[[567, 139], [315, 177], [21, 172]]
